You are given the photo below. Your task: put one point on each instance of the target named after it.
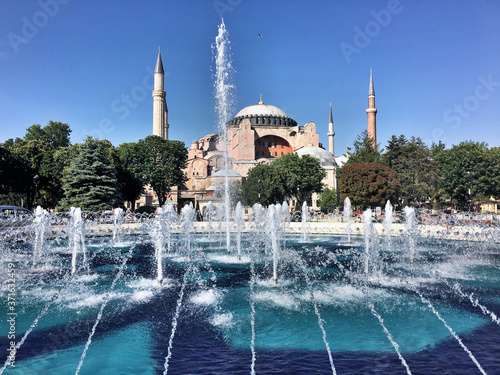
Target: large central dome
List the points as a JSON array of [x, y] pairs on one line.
[[263, 114], [261, 110]]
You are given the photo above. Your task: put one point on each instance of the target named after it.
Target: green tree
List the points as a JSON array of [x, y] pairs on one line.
[[55, 134], [16, 179], [364, 152], [416, 170], [129, 172], [304, 176], [160, 164], [265, 185], [368, 184], [329, 199], [469, 164], [90, 182]]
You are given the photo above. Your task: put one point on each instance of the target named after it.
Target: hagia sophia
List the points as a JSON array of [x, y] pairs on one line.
[[258, 134]]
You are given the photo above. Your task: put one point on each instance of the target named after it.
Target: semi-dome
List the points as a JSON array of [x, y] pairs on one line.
[[263, 114], [325, 158]]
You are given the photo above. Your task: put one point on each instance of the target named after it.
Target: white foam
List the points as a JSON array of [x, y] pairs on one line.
[[223, 320], [93, 300], [278, 298], [147, 284], [206, 297], [229, 258], [142, 296], [88, 278]]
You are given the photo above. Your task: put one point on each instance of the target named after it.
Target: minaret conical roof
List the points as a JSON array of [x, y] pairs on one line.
[[371, 91], [330, 121], [159, 64]]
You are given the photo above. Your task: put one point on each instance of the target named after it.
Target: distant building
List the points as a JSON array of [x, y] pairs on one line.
[[259, 133]]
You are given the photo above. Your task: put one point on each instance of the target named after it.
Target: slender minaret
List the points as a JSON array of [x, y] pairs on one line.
[[160, 111], [331, 133], [372, 112]]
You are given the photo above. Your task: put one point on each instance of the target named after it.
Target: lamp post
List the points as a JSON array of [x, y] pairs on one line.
[[36, 181]]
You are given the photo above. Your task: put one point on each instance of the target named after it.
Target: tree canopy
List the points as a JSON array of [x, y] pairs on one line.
[[304, 176], [415, 168], [368, 184], [265, 185], [160, 163], [364, 152], [469, 164], [329, 199], [55, 134], [290, 176], [90, 182]]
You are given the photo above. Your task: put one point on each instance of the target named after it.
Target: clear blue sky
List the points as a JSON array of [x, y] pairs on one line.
[[436, 65]]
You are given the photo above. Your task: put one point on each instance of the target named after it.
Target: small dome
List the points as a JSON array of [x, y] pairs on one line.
[[325, 158], [226, 172]]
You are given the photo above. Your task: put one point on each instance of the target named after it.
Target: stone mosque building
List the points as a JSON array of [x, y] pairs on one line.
[[258, 134]]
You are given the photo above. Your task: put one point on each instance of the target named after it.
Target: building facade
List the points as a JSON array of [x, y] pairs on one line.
[[259, 133]]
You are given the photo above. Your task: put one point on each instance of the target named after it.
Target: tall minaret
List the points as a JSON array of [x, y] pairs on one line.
[[160, 111], [331, 133], [372, 112]]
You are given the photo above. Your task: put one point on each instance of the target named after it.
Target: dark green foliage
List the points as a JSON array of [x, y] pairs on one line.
[[304, 176], [415, 168], [145, 210], [160, 164], [329, 199], [455, 165], [368, 184], [289, 176], [364, 152], [265, 185], [90, 182], [129, 172], [16, 178], [55, 134]]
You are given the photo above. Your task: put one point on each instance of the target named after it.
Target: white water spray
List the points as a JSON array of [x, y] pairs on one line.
[[238, 219], [304, 221], [388, 220], [223, 98], [367, 219], [410, 231], [40, 223], [77, 237], [272, 212], [347, 217], [117, 222], [389, 336], [428, 303]]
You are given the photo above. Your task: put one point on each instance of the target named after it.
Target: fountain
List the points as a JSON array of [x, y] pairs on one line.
[[286, 306], [238, 219], [223, 99], [388, 219], [304, 221], [76, 237], [308, 307], [348, 217], [117, 222]]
